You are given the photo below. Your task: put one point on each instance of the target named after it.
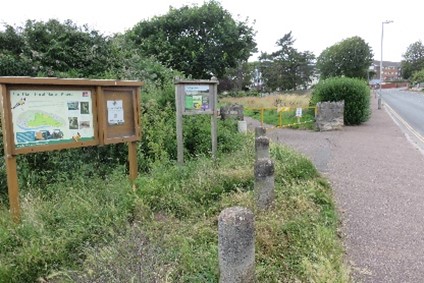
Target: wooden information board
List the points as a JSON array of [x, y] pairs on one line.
[[195, 97], [44, 114]]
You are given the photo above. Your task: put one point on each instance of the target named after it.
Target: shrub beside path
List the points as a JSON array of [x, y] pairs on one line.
[[377, 177]]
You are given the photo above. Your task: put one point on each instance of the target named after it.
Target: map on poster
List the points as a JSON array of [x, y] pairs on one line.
[[42, 117], [196, 98]]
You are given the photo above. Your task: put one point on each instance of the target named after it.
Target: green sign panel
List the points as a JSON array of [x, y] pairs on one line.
[[42, 117], [197, 98]]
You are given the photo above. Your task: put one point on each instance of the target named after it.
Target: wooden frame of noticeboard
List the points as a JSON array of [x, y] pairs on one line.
[[45, 114], [196, 97], [119, 115]]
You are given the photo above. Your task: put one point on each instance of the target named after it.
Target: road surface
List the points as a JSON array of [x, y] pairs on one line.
[[407, 110]]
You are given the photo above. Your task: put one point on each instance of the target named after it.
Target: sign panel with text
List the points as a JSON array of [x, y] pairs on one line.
[[46, 117]]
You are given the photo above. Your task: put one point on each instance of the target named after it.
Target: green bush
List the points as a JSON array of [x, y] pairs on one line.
[[354, 92]]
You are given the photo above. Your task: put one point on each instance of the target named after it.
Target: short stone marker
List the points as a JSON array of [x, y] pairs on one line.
[[236, 245], [242, 126], [264, 183], [234, 111], [262, 147], [260, 131]]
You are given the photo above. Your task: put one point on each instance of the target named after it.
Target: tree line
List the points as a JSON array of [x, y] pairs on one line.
[[184, 41]]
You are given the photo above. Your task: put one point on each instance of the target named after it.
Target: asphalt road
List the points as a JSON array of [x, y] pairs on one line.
[[377, 176], [406, 108], [409, 105]]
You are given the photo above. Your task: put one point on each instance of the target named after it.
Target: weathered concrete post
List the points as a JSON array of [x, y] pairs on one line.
[[260, 131], [262, 147], [264, 183], [236, 245], [242, 126]]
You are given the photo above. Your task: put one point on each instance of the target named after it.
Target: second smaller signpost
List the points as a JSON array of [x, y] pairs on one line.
[[195, 97]]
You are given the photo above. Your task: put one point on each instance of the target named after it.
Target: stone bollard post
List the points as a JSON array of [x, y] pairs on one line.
[[242, 126], [236, 245], [264, 183], [260, 131], [262, 147]]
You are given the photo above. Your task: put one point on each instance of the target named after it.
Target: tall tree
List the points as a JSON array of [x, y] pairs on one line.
[[199, 41], [238, 78], [287, 68], [65, 47], [350, 58], [413, 59], [13, 61], [55, 49]]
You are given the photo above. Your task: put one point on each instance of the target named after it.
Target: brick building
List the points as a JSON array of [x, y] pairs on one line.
[[391, 70]]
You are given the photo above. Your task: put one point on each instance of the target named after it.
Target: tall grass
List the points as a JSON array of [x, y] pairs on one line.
[[270, 101], [173, 236], [58, 222], [80, 226]]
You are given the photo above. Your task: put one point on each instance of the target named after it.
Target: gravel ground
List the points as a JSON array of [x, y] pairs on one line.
[[377, 176]]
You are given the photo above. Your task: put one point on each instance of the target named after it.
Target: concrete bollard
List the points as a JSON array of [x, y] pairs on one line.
[[236, 245], [260, 131], [242, 126], [262, 147], [264, 183]]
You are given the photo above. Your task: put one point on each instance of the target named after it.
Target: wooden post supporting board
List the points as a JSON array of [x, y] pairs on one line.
[[179, 124], [13, 187], [214, 124], [195, 97], [132, 161]]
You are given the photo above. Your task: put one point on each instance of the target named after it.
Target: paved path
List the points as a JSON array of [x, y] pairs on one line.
[[378, 181]]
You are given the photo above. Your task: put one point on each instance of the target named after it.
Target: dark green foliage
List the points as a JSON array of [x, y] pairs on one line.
[[55, 49], [239, 78], [287, 68], [11, 65], [354, 92], [159, 142], [351, 58], [187, 40], [13, 61], [413, 60], [418, 77], [63, 49]]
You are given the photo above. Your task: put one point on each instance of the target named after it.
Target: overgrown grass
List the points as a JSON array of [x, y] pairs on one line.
[[285, 118], [277, 110], [58, 222], [269, 101], [172, 236]]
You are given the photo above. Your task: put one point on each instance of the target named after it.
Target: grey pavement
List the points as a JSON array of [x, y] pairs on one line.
[[377, 176]]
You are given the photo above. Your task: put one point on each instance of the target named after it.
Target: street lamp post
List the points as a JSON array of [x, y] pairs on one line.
[[381, 61]]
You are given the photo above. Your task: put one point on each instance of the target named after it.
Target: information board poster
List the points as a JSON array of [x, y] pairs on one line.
[[43, 117], [197, 98], [115, 112]]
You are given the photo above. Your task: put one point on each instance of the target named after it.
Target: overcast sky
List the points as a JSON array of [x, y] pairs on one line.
[[315, 24]]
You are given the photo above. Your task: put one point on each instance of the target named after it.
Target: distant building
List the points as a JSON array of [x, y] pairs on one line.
[[391, 71]]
